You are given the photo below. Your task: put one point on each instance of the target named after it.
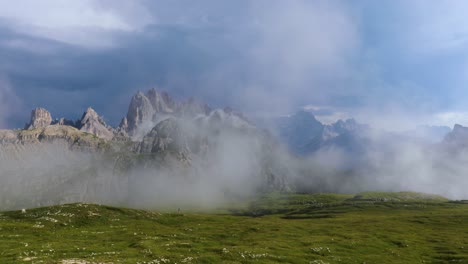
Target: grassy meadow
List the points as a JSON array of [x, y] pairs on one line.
[[275, 228]]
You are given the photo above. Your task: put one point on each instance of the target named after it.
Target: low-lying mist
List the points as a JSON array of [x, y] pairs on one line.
[[206, 168], [387, 163]]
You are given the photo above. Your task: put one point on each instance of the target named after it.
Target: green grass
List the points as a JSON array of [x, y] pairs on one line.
[[275, 228]]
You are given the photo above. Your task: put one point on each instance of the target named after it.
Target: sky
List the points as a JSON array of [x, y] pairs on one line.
[[390, 63]]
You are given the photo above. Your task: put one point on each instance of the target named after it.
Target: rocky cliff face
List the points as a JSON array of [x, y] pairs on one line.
[[304, 134], [457, 139], [92, 123], [161, 144], [54, 134], [139, 113], [167, 135], [39, 118], [161, 102], [148, 109], [299, 131]]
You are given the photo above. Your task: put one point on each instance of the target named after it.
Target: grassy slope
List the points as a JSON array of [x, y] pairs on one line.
[[322, 228]]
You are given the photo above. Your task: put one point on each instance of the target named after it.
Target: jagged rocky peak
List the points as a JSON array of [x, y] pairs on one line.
[[40, 117], [459, 134], [92, 123], [457, 128], [148, 109], [88, 116], [139, 111], [161, 102]]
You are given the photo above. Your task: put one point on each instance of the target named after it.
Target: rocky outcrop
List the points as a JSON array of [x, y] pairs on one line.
[[304, 134], [161, 102], [64, 122], [148, 109], [457, 139], [140, 111], [92, 123], [55, 134], [168, 136], [40, 117], [8, 136], [300, 131], [458, 134]]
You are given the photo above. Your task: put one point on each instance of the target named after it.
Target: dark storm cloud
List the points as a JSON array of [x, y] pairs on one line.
[[256, 56], [234, 54]]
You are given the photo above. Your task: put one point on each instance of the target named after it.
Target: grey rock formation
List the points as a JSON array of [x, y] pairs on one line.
[[167, 135], [304, 134], [40, 117], [161, 102], [148, 109], [457, 139], [64, 122], [53, 134], [123, 126], [139, 112], [8, 136], [179, 144], [458, 134], [92, 123]]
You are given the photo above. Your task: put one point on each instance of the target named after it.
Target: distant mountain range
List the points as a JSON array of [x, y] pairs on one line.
[[304, 134], [301, 132], [165, 148], [161, 146]]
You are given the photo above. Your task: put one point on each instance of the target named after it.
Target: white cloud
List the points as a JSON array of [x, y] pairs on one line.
[[302, 40], [86, 22], [451, 118]]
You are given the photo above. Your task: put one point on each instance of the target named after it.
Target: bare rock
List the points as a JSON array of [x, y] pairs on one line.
[[123, 124], [92, 123], [139, 112], [40, 118], [161, 102], [64, 122], [8, 136], [166, 136]]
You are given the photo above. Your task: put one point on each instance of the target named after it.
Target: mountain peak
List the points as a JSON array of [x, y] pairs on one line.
[[140, 110], [89, 114], [40, 118], [160, 101], [92, 123], [458, 127]]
